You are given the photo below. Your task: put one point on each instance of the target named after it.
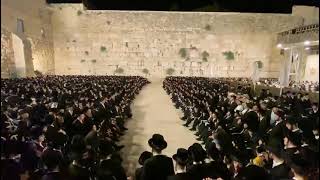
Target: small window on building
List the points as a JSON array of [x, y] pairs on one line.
[[20, 26]]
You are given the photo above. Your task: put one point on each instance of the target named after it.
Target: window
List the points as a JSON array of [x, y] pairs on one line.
[[20, 26]]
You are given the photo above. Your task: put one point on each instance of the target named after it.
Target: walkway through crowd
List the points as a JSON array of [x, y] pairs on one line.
[[153, 112]]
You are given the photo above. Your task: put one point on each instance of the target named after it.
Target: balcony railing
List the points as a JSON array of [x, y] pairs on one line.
[[299, 34]]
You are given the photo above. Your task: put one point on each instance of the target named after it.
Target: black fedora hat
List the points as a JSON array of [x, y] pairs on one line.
[[157, 142], [144, 156], [182, 156], [105, 148]]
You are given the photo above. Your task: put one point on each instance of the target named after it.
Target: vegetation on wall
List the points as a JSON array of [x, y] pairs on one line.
[[183, 52], [205, 56], [13, 75], [260, 64], [145, 71], [38, 73], [86, 52], [79, 12], [119, 71], [207, 27], [170, 71], [103, 49], [229, 55], [82, 60], [93, 61], [193, 47]]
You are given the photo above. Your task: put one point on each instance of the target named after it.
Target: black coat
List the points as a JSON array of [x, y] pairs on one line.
[[198, 171], [78, 173], [218, 169], [181, 176], [280, 172], [158, 167], [101, 113], [111, 167], [252, 120], [138, 173]]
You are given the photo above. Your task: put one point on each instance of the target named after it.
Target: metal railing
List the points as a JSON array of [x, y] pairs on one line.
[[299, 34]]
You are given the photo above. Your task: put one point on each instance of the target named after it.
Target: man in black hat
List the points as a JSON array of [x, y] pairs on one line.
[[52, 159], [109, 166], [300, 168], [279, 168], [143, 157], [216, 168], [181, 159], [159, 167], [292, 142]]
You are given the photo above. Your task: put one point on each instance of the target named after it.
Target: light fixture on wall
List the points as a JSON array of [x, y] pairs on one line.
[[42, 32], [286, 48], [279, 45], [307, 48], [306, 43]]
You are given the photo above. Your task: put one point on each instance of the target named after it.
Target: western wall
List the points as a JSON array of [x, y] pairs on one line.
[[67, 39]]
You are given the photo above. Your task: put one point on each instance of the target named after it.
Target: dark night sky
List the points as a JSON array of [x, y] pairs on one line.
[[263, 6]]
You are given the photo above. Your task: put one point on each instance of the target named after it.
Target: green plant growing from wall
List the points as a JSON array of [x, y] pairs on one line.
[[205, 56], [145, 71], [93, 61], [103, 49], [183, 52], [228, 55], [119, 71], [207, 27], [260, 64], [82, 61], [79, 12], [86, 52], [14, 75], [193, 47], [170, 71]]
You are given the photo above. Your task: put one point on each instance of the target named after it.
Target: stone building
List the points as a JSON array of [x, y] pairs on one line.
[[68, 39]]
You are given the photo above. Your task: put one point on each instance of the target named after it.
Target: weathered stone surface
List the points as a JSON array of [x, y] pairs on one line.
[[7, 61], [151, 37], [64, 41], [37, 30]]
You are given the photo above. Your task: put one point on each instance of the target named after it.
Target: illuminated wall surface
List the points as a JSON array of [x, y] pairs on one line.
[[65, 39], [312, 68], [19, 58]]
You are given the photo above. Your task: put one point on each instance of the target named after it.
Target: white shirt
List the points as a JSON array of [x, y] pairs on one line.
[[274, 164], [238, 108]]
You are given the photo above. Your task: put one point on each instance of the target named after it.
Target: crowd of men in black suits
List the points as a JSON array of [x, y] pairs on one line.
[[65, 127], [244, 136]]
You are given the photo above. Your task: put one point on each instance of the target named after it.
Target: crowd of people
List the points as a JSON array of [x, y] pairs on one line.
[[308, 86], [65, 127], [68, 128], [244, 137]]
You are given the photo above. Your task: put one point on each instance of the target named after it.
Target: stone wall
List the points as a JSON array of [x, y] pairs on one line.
[[37, 30], [97, 42], [7, 58], [309, 13], [66, 39]]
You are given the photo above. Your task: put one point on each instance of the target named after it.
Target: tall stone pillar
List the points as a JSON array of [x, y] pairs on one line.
[[285, 68]]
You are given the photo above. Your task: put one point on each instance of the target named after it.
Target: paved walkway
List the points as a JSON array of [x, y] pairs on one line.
[[153, 112]]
